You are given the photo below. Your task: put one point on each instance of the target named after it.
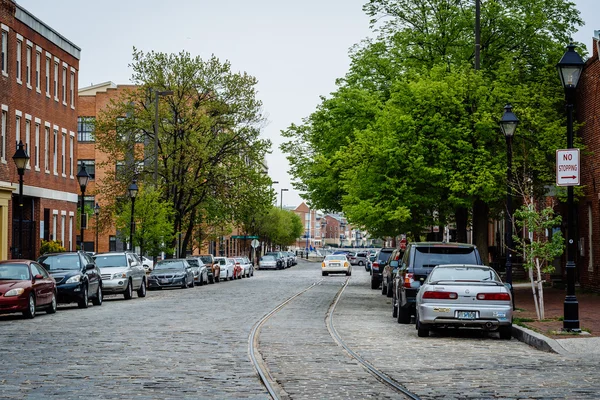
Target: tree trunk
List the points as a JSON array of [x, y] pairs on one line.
[[540, 289], [480, 229], [461, 215], [535, 299]]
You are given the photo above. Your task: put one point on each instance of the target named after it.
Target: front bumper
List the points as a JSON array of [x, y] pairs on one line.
[[69, 292], [166, 282], [268, 266], [444, 314], [114, 285], [13, 304]]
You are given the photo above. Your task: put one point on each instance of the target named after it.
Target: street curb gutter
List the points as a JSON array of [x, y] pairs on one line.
[[536, 340]]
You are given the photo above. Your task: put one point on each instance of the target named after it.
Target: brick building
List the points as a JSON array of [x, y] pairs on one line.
[[588, 113], [38, 81]]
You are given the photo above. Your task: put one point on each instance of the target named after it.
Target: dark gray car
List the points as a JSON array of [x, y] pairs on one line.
[[174, 272]]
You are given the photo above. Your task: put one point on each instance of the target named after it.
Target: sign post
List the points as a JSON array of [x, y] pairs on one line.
[[567, 167]]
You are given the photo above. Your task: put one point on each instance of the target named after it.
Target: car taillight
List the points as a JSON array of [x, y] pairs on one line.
[[408, 280], [440, 295], [493, 296], [375, 265]]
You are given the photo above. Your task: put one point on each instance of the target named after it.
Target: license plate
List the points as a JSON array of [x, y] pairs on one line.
[[467, 315], [164, 281], [334, 265]]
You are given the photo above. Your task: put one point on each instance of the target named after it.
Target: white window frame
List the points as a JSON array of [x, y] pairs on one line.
[[19, 51], [38, 69], [72, 92], [28, 137], [71, 146], [28, 51], [36, 154], [71, 215], [47, 128], [64, 84], [18, 115], [4, 61], [55, 150], [63, 217], [48, 66], [56, 65], [3, 128], [54, 217], [63, 155]]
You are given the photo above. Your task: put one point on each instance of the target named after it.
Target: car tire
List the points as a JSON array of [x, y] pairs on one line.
[[128, 291], [403, 315], [348, 273], [361, 263], [192, 284], [394, 308], [83, 302], [52, 308], [325, 273], [97, 300], [422, 330], [29, 312], [141, 292], [374, 284], [211, 279], [389, 289], [201, 283], [384, 288], [217, 279], [505, 332]]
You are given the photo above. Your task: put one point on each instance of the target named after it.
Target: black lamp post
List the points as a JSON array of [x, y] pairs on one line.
[[569, 68], [21, 158], [133, 191], [509, 123], [282, 190], [97, 214], [82, 177]]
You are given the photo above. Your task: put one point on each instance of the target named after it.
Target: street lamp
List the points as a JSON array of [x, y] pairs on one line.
[[569, 68], [21, 158], [133, 191], [282, 190], [508, 124], [82, 177], [157, 94], [97, 214]]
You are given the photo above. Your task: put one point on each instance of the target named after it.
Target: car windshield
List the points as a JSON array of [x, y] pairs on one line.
[[14, 272], [428, 257], [383, 256], [206, 259], [108, 261], [169, 264], [267, 258], [336, 257], [464, 274], [239, 260], [60, 262], [193, 262]]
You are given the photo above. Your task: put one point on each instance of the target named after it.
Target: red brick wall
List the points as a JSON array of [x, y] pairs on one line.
[[588, 112]]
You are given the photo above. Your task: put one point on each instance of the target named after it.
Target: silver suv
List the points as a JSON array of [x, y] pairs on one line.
[[122, 273]]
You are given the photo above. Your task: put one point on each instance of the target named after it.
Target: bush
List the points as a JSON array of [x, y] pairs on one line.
[[51, 246]]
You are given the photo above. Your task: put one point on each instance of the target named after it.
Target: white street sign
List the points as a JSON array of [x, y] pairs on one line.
[[567, 167], [255, 243]]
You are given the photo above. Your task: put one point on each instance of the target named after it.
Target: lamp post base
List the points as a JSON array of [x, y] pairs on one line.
[[571, 312]]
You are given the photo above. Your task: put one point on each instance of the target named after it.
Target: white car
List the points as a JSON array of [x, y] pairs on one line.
[[147, 263], [226, 268], [267, 262], [247, 269], [336, 263]]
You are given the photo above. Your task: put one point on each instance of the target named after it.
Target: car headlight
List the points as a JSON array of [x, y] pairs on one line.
[[119, 275], [346, 264], [180, 276], [323, 265], [74, 279], [14, 292]]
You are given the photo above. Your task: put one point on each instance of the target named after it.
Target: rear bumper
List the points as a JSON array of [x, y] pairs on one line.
[[487, 317]]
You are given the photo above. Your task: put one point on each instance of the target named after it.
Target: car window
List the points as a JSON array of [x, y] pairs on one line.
[[193, 262], [40, 270], [111, 261], [383, 256], [58, 262], [169, 264], [336, 257], [267, 258], [464, 274], [14, 272], [429, 257]]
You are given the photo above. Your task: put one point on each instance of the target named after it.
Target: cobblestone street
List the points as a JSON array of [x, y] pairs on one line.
[[194, 344]]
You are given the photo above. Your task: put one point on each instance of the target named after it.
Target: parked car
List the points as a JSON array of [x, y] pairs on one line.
[[279, 257], [246, 265], [226, 268], [389, 272], [78, 278], [293, 257], [25, 287], [336, 263], [122, 273], [199, 270], [174, 272], [213, 268], [464, 296], [237, 268], [372, 258], [418, 261], [358, 258], [147, 263], [377, 266], [268, 262]]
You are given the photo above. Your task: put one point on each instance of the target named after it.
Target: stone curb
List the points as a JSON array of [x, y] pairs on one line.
[[537, 340]]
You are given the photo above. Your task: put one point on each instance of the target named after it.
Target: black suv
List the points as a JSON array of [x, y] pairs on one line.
[[418, 261], [77, 277], [381, 259]]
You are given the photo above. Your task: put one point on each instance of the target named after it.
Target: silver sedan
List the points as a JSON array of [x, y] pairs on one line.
[[464, 296]]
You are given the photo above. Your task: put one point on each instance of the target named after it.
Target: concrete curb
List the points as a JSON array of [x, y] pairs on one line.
[[537, 340]]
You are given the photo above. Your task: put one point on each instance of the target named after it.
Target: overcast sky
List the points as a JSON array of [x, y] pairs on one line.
[[296, 48]]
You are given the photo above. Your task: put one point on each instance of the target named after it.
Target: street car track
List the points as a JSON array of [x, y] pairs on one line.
[[275, 390], [370, 368]]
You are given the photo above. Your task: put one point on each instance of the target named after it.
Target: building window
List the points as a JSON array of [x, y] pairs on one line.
[[18, 129], [47, 74], [70, 233], [71, 140], [88, 202], [28, 138], [112, 243], [37, 146], [85, 129], [119, 169], [64, 85], [19, 45], [90, 167], [72, 89], [54, 216], [47, 149], [38, 60], [3, 132], [4, 58], [63, 155], [28, 66], [56, 80], [55, 151]]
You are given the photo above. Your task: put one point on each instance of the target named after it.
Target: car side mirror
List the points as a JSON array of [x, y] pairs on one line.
[[89, 267], [394, 264], [38, 277]]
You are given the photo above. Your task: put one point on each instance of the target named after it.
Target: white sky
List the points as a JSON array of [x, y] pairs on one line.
[[296, 48]]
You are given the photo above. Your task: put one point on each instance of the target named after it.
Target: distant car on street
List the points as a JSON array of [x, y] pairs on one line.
[[336, 263], [226, 268], [122, 273], [175, 272], [213, 268], [268, 262], [199, 269]]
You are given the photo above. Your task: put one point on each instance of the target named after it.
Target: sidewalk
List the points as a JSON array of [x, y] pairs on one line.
[[546, 335]]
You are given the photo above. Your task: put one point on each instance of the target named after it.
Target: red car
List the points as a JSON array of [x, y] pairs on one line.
[[25, 286], [237, 268]]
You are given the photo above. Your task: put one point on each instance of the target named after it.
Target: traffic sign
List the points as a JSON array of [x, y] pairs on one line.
[[255, 243], [567, 167]]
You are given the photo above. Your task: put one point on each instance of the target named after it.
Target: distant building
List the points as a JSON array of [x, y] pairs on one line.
[[38, 100]]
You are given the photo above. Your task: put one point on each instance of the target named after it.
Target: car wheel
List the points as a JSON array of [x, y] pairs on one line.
[[374, 284], [52, 308], [389, 289], [422, 330], [348, 273], [211, 279], [403, 314], [325, 273], [83, 302], [384, 288], [29, 312], [97, 300], [361, 263], [141, 292], [505, 332], [128, 291], [217, 279], [394, 308]]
